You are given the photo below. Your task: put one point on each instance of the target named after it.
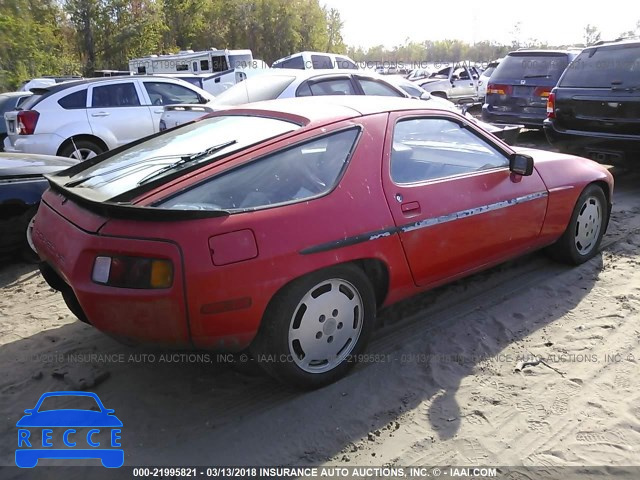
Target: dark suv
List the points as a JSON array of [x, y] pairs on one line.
[[595, 109], [518, 89]]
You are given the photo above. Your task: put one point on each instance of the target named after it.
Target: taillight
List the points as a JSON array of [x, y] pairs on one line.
[[543, 92], [132, 272], [27, 121], [551, 105], [499, 89]]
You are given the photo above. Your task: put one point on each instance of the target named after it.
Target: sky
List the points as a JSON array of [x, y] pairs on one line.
[[391, 22]]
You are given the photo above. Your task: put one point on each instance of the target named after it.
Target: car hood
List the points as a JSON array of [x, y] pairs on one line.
[[69, 418], [19, 164]]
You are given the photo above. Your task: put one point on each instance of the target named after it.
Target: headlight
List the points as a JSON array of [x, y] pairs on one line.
[[132, 272]]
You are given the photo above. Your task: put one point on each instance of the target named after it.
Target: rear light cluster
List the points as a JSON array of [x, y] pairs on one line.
[[551, 105], [27, 121], [499, 89], [132, 272], [543, 92]]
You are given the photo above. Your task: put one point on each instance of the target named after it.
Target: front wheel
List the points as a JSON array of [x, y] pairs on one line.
[[582, 238], [315, 328]]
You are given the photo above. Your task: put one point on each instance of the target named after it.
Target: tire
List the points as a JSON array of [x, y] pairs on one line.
[[581, 240], [28, 251], [86, 148], [332, 312]]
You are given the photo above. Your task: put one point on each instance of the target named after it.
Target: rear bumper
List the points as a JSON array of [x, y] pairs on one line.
[[599, 146], [41, 143], [147, 316], [526, 119]]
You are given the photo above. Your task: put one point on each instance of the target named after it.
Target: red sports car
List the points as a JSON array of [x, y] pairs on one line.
[[283, 226]]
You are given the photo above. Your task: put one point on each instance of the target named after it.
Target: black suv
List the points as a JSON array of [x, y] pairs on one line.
[[595, 109], [518, 89]]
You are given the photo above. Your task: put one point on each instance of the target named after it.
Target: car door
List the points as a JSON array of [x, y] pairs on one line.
[[116, 112], [158, 94], [462, 84], [455, 203]]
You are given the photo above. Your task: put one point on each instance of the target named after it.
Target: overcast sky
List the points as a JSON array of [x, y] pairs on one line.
[[390, 22]]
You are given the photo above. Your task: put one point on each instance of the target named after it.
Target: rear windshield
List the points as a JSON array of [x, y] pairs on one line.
[[256, 89], [31, 102], [157, 156], [523, 66], [604, 67]]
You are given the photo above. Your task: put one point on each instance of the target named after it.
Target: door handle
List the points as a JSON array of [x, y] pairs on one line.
[[100, 114], [410, 207], [158, 111]]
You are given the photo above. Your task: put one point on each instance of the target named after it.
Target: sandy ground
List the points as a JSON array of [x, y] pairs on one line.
[[528, 364]]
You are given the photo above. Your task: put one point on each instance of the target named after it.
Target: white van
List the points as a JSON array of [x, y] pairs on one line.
[[316, 61]]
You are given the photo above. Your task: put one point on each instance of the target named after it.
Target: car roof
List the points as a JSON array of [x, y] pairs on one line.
[[329, 108], [58, 87], [616, 43], [542, 51]]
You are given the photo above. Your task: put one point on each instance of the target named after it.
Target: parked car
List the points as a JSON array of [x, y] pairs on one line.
[[595, 109], [458, 83], [9, 101], [84, 118], [485, 77], [315, 61], [283, 226], [521, 84], [22, 183], [285, 84], [419, 74]]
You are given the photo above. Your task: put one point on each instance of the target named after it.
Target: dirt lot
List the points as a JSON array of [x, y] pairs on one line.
[[528, 364]]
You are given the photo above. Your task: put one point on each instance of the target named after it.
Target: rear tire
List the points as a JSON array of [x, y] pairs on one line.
[[316, 327], [581, 240], [86, 149], [28, 251]]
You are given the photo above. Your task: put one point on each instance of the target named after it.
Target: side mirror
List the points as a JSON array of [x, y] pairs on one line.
[[521, 164], [425, 96]]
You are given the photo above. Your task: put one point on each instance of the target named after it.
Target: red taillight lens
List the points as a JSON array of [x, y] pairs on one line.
[[27, 121], [551, 105], [543, 92], [499, 89], [133, 272]]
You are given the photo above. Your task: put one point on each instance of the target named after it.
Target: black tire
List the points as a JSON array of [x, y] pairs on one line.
[[568, 248], [280, 356], [85, 147], [27, 252]]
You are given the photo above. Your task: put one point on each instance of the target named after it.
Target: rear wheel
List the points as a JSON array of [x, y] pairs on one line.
[[81, 150], [315, 328], [28, 251], [582, 238]]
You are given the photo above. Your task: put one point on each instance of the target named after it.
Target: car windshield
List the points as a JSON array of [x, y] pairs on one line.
[[66, 402], [256, 89], [605, 67], [124, 171], [523, 66]]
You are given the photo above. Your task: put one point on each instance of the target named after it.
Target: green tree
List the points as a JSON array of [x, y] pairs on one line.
[[591, 35]]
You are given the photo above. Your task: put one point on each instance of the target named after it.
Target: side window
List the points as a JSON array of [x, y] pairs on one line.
[[304, 90], [219, 63], [371, 87], [164, 93], [116, 95], [432, 148], [346, 63], [294, 62], [182, 67], [335, 86], [142, 70], [295, 174], [75, 100], [204, 65], [321, 62]]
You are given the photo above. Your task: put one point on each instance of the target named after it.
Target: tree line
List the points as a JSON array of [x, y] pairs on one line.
[[77, 37]]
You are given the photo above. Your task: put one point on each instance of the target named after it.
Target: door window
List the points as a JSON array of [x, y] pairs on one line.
[[164, 93], [371, 87], [334, 86], [116, 95], [432, 148]]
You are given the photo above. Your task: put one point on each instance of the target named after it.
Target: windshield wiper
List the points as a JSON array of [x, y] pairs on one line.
[[187, 159], [537, 76]]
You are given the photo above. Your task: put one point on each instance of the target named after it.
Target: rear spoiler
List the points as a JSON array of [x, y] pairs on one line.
[[188, 108]]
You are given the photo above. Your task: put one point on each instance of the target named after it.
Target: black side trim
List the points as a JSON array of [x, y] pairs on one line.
[[347, 242]]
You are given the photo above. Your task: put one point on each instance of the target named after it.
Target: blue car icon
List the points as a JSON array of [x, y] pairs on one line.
[[36, 431]]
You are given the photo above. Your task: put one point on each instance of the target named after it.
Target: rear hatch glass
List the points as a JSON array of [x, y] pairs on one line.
[[605, 67]]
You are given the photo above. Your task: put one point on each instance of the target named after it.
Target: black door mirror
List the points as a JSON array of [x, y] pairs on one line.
[[521, 164]]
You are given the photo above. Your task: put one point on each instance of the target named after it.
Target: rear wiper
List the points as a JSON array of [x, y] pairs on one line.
[[188, 159], [537, 76]]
